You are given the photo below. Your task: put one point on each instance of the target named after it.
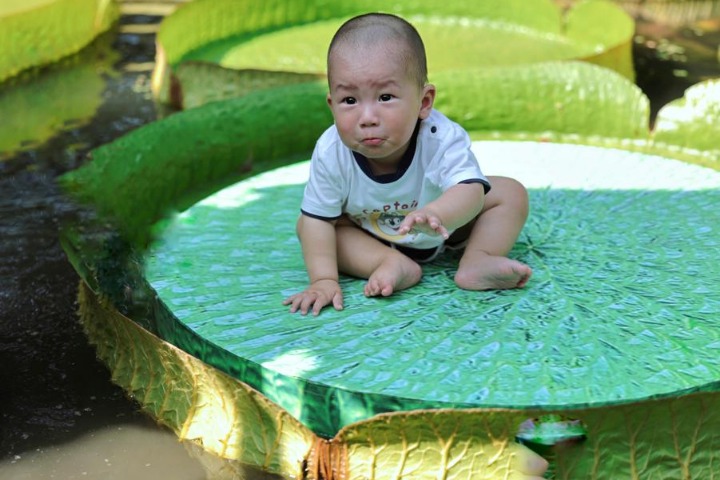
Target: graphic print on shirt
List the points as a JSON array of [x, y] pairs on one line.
[[385, 222], [386, 225]]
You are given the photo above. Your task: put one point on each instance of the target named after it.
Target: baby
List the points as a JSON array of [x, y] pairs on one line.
[[393, 182]]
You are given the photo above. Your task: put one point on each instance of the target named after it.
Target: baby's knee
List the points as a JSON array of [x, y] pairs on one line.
[[515, 189], [514, 194], [522, 199]]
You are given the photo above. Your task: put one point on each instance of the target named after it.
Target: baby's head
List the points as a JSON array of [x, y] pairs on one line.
[[378, 90], [384, 31]]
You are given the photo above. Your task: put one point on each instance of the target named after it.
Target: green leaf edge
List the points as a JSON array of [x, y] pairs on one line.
[[233, 425]]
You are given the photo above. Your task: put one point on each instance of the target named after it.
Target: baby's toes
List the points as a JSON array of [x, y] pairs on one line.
[[371, 288]]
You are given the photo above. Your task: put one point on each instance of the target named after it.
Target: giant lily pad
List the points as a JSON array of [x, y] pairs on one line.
[[292, 36], [607, 294], [613, 283]]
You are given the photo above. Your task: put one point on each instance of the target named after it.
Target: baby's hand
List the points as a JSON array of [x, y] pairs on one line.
[[424, 221], [319, 294]]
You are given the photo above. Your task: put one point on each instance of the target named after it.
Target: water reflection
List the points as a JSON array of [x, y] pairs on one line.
[[65, 96], [115, 452]]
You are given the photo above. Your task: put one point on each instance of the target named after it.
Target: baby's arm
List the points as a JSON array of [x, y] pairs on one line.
[[454, 208], [317, 238]]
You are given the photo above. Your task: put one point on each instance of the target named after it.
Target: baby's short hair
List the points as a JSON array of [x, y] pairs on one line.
[[374, 27]]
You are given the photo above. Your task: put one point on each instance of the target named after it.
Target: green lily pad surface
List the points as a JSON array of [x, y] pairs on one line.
[[456, 43], [622, 305]]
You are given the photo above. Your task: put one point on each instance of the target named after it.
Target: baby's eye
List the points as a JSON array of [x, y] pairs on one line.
[[349, 100], [385, 97]]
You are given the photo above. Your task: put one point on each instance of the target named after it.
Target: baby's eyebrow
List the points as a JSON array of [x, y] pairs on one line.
[[385, 83], [350, 87], [343, 86]]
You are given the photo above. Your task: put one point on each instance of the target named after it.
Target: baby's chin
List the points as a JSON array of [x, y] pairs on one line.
[[380, 154]]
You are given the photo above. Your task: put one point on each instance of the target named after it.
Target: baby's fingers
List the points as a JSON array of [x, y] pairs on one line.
[[407, 225], [442, 231], [318, 305], [295, 302], [290, 300], [322, 301], [338, 301], [300, 302]]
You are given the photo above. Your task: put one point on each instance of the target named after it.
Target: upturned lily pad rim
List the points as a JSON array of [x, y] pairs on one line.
[[650, 428]]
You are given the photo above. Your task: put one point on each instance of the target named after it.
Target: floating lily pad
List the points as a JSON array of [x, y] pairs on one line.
[[552, 98], [37, 32], [456, 43], [463, 35], [692, 122], [266, 128]]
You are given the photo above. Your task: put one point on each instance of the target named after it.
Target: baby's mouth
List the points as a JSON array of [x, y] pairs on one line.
[[372, 141]]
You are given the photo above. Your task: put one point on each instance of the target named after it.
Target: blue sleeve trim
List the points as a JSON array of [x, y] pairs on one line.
[[485, 183], [319, 217]]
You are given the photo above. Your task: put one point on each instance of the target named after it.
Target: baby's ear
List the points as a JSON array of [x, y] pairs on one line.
[[428, 99], [329, 99]]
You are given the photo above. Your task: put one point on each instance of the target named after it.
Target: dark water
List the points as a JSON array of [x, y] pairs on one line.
[[60, 415]]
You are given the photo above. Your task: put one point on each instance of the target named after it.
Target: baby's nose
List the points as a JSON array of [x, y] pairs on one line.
[[369, 116]]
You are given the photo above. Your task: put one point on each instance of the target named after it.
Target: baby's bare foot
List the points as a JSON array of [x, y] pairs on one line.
[[481, 271], [395, 273]]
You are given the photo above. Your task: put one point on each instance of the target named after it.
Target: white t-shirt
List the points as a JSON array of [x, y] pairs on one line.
[[341, 181]]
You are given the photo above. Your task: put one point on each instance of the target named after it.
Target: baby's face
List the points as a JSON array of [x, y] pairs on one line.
[[375, 102]]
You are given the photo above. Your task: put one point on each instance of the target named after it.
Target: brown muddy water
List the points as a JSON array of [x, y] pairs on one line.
[[61, 417]]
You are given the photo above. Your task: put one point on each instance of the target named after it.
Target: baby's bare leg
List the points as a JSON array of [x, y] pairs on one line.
[[363, 256], [484, 265]]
